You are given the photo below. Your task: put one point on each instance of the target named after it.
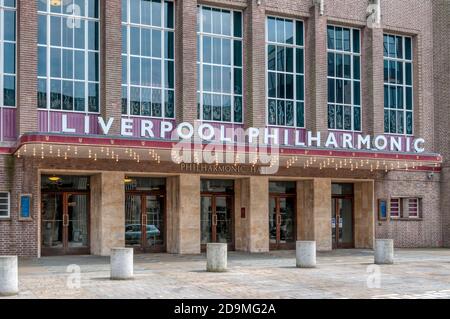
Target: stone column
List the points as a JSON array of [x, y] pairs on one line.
[[183, 214], [122, 263], [364, 214], [216, 254], [9, 278], [384, 251], [27, 26], [314, 212], [186, 60], [255, 64], [107, 212], [258, 214], [111, 50]]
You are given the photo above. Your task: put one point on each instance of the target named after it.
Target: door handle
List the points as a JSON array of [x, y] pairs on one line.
[[65, 220], [279, 220], [214, 220]]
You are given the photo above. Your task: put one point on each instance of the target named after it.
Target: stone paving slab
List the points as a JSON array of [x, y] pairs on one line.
[[417, 273]]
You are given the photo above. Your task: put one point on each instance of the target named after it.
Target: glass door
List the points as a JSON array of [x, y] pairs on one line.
[[144, 222], [282, 210], [154, 223], [216, 219], [65, 223], [342, 222]]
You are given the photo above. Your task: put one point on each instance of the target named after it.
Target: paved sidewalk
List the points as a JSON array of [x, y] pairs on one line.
[[417, 273]]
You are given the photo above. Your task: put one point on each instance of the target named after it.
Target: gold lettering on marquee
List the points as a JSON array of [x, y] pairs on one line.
[[219, 169]]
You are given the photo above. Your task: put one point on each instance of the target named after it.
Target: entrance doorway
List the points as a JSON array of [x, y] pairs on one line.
[[282, 215], [145, 202], [342, 216], [217, 197], [65, 215]]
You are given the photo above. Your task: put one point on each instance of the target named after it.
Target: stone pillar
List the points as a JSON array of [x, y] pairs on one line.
[[384, 251], [9, 278], [121, 263], [183, 214], [364, 215], [216, 255], [258, 214], [107, 212], [316, 70], [306, 254], [314, 212], [27, 26], [186, 60], [255, 66], [111, 49]]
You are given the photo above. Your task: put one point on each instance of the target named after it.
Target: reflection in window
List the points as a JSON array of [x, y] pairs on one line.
[[148, 58], [285, 74], [344, 79], [68, 55], [398, 85], [219, 65], [8, 49]]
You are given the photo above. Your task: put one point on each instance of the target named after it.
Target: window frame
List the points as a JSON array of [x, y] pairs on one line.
[[352, 80], [48, 46], [8, 209], [403, 85], [403, 208], [128, 25], [199, 64], [294, 46], [3, 8]]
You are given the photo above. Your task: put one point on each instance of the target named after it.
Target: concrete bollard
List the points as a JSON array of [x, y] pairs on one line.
[[9, 276], [216, 255], [121, 263], [306, 254], [384, 251]]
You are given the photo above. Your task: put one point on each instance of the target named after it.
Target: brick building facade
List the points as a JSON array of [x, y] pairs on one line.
[[88, 191]]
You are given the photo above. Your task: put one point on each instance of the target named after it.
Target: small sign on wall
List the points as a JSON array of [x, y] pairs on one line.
[[25, 207], [382, 209]]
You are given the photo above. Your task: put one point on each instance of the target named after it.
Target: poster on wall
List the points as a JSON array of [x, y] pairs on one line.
[[382, 209], [25, 207]]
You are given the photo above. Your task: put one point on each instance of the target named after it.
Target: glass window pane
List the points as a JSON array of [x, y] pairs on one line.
[[399, 47], [93, 97], [339, 91], [226, 22], [386, 96], [9, 90], [169, 14], [145, 42], [339, 117], [156, 103], [55, 95], [393, 121], [93, 32], [79, 97], [238, 109], [79, 65], [55, 35], [67, 96], [238, 81], [409, 98], [289, 113], [280, 31], [67, 64], [400, 122], [347, 118], [280, 86], [272, 112], [42, 94], [135, 41], [392, 97], [331, 66], [289, 60], [356, 40], [289, 31], [400, 104], [216, 21], [280, 58], [356, 67], [226, 109], [386, 45], [146, 72], [271, 29], [331, 90], [339, 66], [281, 113], [135, 101], [170, 104], [124, 100], [226, 51], [299, 32], [357, 118], [399, 72], [271, 55], [146, 102], [9, 57], [347, 66], [217, 108], [42, 29], [386, 71], [156, 73], [331, 117], [217, 51], [409, 123], [170, 74], [330, 37], [290, 86], [346, 39], [408, 67], [339, 37], [300, 88], [237, 53], [356, 93], [300, 114], [93, 66], [226, 80], [299, 61], [55, 63], [156, 44], [386, 121], [408, 49], [156, 13], [169, 48], [237, 19], [348, 92], [207, 107]]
